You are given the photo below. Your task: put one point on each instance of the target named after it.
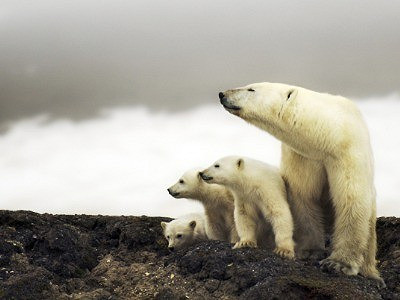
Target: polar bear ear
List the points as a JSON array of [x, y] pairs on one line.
[[240, 163], [192, 224], [291, 94], [163, 225]]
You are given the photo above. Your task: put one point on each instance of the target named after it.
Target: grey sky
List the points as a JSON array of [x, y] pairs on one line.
[[70, 58]]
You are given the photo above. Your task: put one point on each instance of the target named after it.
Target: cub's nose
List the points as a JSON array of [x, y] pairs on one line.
[[221, 95], [205, 177], [169, 191], [201, 174], [171, 248]]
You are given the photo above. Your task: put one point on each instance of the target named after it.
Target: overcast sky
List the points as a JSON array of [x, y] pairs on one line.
[[70, 58]]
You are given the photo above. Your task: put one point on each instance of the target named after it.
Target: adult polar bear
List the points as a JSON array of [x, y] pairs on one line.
[[325, 144]]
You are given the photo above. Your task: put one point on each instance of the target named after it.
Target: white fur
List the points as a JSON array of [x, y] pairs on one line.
[[260, 196], [327, 164], [217, 201], [182, 232]]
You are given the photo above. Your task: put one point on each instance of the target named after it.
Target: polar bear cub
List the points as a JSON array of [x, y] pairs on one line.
[[258, 189], [184, 231], [217, 201]]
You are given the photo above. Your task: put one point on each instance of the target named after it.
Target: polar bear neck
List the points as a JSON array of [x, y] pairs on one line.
[[274, 125], [285, 121], [213, 194], [242, 182]]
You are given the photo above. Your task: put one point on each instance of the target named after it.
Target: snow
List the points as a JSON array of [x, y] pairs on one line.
[[122, 162]]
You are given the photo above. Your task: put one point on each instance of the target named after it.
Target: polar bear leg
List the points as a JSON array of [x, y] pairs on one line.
[[351, 197], [368, 269], [211, 233], [282, 226], [305, 180], [245, 226], [233, 235]]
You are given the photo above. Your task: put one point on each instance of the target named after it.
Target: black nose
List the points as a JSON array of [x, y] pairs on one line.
[[171, 248], [201, 174], [169, 191], [205, 177], [221, 95]]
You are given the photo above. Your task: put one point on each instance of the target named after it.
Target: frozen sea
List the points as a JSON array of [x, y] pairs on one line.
[[122, 162]]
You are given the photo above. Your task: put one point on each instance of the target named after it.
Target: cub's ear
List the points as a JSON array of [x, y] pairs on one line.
[[163, 225], [240, 163], [192, 224], [291, 94]]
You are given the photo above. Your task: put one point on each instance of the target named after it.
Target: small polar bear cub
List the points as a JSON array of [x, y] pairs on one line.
[[184, 231], [218, 203], [257, 187]]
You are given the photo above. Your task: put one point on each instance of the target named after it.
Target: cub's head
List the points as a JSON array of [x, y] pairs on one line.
[[187, 186], [224, 171], [179, 233], [253, 100]]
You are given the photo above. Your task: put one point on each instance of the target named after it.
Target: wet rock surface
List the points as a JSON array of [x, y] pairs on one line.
[[45, 256]]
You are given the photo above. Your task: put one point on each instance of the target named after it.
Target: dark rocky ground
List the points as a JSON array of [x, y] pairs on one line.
[[101, 257]]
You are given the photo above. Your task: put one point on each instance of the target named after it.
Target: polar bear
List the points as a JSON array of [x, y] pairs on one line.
[[325, 146], [217, 201], [184, 231], [259, 190]]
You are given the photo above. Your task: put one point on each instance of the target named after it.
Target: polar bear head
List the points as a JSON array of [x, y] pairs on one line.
[[179, 233], [188, 186], [250, 101], [225, 171]]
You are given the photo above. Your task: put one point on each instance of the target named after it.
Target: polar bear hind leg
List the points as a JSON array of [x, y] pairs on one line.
[[368, 269], [233, 236]]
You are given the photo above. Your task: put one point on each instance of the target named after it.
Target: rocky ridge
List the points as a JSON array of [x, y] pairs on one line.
[[45, 256]]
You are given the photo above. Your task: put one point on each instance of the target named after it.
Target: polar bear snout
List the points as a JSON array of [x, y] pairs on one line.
[[172, 193], [227, 103], [205, 177]]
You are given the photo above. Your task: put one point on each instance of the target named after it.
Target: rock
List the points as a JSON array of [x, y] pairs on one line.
[[45, 256], [212, 285], [167, 294], [396, 254]]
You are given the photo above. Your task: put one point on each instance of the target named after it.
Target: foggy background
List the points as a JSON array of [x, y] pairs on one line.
[[103, 104]]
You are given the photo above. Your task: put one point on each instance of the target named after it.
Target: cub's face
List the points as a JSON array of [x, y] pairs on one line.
[[187, 186], [250, 101], [178, 234], [224, 171]]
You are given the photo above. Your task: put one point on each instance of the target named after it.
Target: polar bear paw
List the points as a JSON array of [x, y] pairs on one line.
[[245, 244], [372, 273], [380, 283], [285, 253], [329, 264]]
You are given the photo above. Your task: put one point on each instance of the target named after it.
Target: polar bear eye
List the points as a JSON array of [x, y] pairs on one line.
[[216, 166], [167, 236], [251, 90], [181, 181], [179, 236]]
